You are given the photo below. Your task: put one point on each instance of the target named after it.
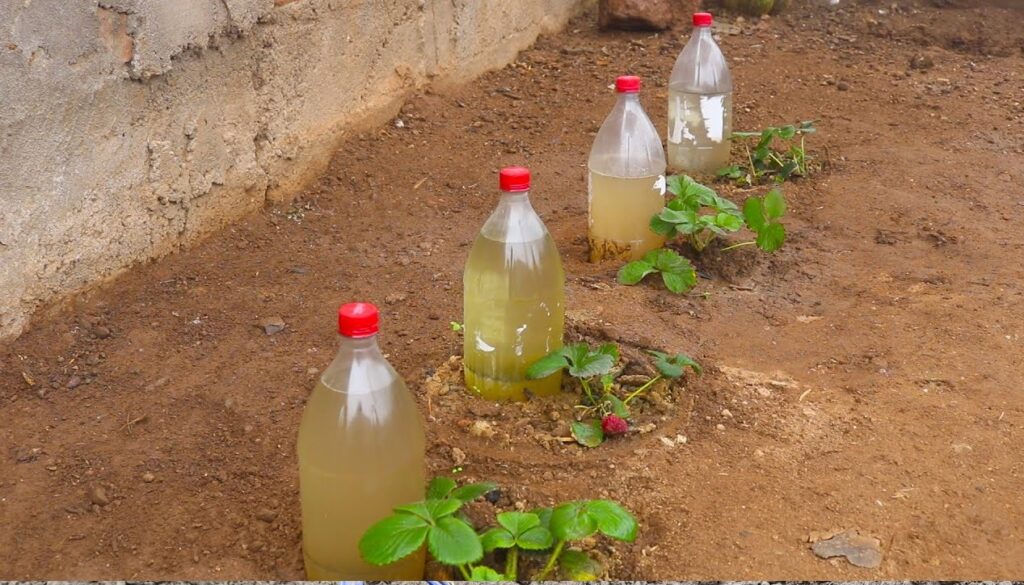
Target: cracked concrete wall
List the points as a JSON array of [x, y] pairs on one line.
[[129, 128]]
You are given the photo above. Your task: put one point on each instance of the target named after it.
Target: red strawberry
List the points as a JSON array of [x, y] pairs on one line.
[[614, 425]]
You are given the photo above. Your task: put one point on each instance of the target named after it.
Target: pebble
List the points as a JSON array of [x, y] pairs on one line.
[[758, 453], [272, 325], [266, 515], [843, 86], [394, 298], [481, 428], [726, 413], [98, 495], [554, 415], [458, 456], [101, 332], [74, 382], [148, 477], [720, 427]]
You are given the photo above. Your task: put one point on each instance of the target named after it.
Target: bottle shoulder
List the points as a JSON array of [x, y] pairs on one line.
[[627, 145], [701, 68]]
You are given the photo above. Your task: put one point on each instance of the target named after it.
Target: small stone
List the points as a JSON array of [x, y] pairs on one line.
[[922, 62], [554, 415], [101, 332], [481, 428], [861, 551], [266, 515], [961, 448], [667, 441], [98, 495], [843, 86], [681, 439], [74, 382], [312, 371], [272, 325], [720, 427], [458, 456], [634, 14], [726, 413], [148, 477], [394, 298], [758, 453]]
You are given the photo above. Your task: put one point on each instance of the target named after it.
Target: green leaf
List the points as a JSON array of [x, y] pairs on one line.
[[572, 521], [536, 538], [472, 491], [518, 522], [440, 487], [662, 228], [680, 282], [753, 213], [634, 272], [393, 538], [547, 365], [619, 407], [544, 514], [431, 510], [771, 237], [496, 538], [613, 520], [526, 530], [674, 184], [728, 221], [453, 542], [482, 573], [607, 380], [584, 363], [673, 366], [588, 433], [609, 349], [574, 565], [787, 132], [774, 205]]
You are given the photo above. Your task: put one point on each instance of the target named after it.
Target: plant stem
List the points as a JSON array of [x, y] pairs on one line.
[[637, 392], [512, 564], [551, 561], [465, 572], [727, 248], [586, 388]]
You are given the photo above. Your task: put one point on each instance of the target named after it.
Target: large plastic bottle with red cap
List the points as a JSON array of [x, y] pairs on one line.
[[361, 454], [514, 297], [626, 184], [699, 104]]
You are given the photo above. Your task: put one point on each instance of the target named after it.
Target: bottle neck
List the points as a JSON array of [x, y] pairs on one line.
[[514, 199], [359, 345], [629, 98]]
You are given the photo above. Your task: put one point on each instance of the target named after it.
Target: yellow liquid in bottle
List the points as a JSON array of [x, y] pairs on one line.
[[699, 127], [514, 310], [620, 216], [361, 454]]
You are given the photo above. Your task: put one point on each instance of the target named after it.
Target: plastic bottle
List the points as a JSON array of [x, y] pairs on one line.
[[699, 104], [514, 296], [626, 184], [361, 454]]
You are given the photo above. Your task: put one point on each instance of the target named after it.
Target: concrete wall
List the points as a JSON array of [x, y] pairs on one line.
[[131, 127]]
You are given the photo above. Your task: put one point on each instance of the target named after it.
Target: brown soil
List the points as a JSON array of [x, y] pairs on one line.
[[870, 369]]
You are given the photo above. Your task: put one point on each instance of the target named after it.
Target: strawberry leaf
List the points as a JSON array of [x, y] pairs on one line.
[[635, 271], [572, 521], [393, 538], [440, 488], [547, 365], [613, 520], [578, 566], [588, 433], [584, 363], [673, 366], [483, 574], [771, 237], [453, 542], [774, 205], [472, 491]]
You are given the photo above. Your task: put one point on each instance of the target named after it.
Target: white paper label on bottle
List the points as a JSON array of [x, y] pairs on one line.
[[712, 109], [659, 184]]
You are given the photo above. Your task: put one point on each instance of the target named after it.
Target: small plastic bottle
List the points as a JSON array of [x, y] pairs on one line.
[[514, 298], [699, 104], [626, 184], [361, 454]]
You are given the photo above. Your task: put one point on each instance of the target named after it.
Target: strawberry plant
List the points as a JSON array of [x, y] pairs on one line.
[[764, 161], [541, 536], [699, 214], [612, 412]]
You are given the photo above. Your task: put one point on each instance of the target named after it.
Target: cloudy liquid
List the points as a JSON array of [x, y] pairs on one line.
[[514, 315], [699, 127], [360, 456], [620, 216]]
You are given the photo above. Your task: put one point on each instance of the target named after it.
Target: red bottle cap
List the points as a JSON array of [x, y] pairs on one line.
[[514, 179], [702, 19], [627, 84], [358, 320]]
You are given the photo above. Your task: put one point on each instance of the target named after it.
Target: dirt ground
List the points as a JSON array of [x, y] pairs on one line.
[[867, 376]]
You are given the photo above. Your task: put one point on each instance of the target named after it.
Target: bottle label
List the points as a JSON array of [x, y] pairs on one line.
[[659, 184]]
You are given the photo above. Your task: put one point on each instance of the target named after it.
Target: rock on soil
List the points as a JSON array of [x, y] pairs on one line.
[[635, 14], [862, 551], [98, 495]]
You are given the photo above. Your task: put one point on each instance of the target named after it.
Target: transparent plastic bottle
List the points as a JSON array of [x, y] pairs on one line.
[[699, 104], [514, 296], [626, 183], [361, 453]]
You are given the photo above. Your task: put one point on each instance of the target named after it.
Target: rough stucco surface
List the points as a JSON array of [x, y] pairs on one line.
[[131, 127]]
